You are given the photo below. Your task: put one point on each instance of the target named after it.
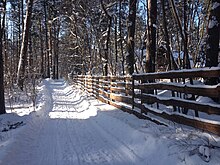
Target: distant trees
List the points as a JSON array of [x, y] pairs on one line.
[[104, 37], [99, 37], [101, 33]]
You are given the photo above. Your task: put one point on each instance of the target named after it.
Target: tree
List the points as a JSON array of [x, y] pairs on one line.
[[106, 47], [212, 51], [151, 36], [47, 58], [120, 37], [93, 35], [172, 64], [23, 54], [2, 29], [183, 31], [131, 34], [213, 35], [116, 43]]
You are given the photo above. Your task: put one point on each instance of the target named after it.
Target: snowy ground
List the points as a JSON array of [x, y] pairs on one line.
[[71, 128]]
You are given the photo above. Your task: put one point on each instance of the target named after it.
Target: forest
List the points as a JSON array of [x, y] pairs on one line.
[[56, 39]]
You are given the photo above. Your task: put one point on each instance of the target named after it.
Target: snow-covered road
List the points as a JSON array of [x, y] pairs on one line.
[[72, 128], [71, 132]]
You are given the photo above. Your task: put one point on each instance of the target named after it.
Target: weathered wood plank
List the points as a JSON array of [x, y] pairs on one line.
[[137, 114], [199, 124], [124, 99], [121, 90], [209, 91], [188, 104], [187, 73]]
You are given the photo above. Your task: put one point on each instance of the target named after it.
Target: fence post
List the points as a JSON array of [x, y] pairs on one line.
[[84, 83], [133, 93], [81, 80], [97, 88], [92, 86]]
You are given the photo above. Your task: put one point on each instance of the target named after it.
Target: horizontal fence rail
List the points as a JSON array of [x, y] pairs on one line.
[[167, 96]]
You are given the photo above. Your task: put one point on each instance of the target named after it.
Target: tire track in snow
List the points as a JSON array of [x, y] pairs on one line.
[[91, 145], [124, 150], [85, 144], [124, 147], [73, 146]]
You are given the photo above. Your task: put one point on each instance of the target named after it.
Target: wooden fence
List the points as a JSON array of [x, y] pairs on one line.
[[165, 96]]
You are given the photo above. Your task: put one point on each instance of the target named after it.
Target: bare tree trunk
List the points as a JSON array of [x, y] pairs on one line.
[[121, 39], [22, 15], [42, 71], [24, 46], [151, 40], [30, 54], [19, 30], [116, 45], [151, 46], [212, 51], [131, 32], [186, 54], [57, 54], [107, 40], [182, 33], [172, 64], [213, 35], [56, 29], [2, 29], [47, 58], [50, 59]]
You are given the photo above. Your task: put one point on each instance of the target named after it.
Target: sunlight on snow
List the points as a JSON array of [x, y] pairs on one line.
[[73, 114], [20, 111]]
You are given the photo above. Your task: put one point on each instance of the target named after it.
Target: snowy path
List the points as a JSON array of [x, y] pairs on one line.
[[72, 128], [68, 134]]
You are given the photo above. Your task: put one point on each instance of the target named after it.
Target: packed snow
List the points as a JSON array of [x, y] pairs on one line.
[[69, 127]]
